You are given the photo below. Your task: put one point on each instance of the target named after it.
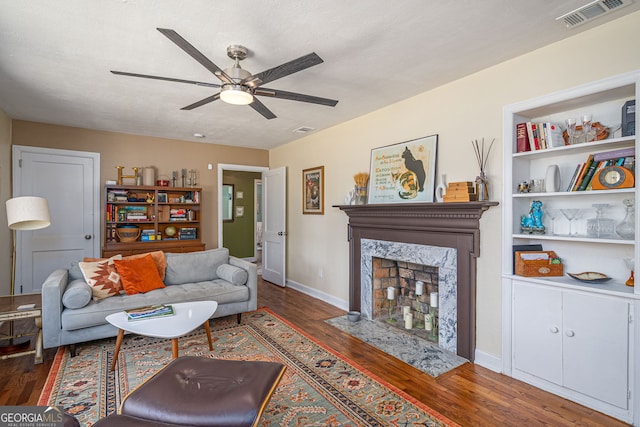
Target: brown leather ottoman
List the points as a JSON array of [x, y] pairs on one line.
[[195, 391]]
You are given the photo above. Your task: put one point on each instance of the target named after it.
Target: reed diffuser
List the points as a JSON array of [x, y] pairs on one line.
[[482, 182], [361, 180]]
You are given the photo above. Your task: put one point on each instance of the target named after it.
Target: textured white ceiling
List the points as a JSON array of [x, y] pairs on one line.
[[55, 58]]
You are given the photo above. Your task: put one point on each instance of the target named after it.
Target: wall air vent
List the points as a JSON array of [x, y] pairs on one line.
[[590, 11]]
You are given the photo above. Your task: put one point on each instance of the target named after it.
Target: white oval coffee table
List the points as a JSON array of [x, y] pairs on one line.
[[188, 316]]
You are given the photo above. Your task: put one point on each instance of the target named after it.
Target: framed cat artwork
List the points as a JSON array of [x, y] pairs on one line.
[[404, 172]]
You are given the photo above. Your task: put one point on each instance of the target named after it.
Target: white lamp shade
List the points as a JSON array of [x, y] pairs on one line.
[[28, 213]]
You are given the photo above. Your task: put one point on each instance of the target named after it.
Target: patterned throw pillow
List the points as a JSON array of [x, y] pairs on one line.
[[102, 277]]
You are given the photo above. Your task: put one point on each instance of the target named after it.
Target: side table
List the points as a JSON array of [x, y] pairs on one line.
[[9, 312]]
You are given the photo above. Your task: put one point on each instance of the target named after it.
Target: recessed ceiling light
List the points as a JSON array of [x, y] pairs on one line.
[[198, 135]]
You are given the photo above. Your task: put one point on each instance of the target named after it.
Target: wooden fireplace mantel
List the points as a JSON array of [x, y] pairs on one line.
[[451, 225]]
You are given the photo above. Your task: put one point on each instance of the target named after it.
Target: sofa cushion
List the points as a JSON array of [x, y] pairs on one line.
[[94, 313], [102, 277], [74, 271], [194, 266], [139, 275], [77, 295], [232, 274]]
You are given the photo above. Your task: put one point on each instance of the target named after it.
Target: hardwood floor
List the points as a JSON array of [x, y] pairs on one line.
[[469, 395]]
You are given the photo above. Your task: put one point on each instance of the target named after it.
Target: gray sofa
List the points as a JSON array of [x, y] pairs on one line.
[[194, 276]]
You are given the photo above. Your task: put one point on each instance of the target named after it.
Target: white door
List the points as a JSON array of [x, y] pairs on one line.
[[70, 181], [537, 331], [596, 346], [274, 216]]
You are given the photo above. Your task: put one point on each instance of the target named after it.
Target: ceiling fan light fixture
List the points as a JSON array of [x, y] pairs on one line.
[[236, 94]]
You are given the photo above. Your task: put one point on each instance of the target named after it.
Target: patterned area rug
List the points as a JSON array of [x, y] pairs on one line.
[[320, 387]]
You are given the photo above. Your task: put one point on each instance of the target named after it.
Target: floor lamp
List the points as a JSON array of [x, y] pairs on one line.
[[23, 214]]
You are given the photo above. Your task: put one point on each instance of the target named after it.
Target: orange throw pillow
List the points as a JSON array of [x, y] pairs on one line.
[[139, 275]]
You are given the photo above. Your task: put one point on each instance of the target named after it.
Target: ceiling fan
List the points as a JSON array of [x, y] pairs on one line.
[[239, 86]]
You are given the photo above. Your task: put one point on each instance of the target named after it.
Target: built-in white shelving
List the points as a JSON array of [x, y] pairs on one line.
[[557, 331]]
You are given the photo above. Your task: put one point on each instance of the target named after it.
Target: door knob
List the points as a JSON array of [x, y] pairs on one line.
[[554, 329], [282, 233], [570, 333], [87, 236]]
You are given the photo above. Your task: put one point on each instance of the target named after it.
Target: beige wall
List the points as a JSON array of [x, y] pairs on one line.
[[5, 193], [166, 155], [467, 109]]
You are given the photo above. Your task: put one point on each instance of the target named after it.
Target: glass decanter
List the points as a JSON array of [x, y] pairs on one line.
[[600, 226], [626, 229]]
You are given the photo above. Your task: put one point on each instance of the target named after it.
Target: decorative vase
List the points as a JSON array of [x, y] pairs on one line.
[[552, 179], [361, 195], [482, 187], [441, 189], [626, 228]]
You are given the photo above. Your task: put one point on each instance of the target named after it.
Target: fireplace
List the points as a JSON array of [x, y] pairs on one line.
[[447, 235], [441, 260]]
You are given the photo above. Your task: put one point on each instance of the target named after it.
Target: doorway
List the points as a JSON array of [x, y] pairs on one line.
[[273, 212], [240, 229]]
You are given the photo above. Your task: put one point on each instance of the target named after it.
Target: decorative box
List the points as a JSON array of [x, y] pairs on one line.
[[538, 264]]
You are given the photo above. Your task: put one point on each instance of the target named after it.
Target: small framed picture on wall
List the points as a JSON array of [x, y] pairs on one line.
[[313, 191]]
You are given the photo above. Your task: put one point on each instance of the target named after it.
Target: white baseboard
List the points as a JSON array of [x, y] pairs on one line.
[[488, 361], [329, 299]]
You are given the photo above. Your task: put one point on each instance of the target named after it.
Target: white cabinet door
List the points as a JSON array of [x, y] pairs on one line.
[[596, 346], [537, 331]]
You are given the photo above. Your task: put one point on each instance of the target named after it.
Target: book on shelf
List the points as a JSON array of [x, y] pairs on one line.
[[522, 138], [574, 177], [541, 136], [553, 135], [534, 143], [615, 154], [149, 312], [589, 168]]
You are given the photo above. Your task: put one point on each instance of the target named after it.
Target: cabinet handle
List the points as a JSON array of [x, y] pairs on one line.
[[87, 236], [569, 333], [554, 329]]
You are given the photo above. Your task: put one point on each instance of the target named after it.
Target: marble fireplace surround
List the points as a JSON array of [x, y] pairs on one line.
[[445, 225], [443, 258]]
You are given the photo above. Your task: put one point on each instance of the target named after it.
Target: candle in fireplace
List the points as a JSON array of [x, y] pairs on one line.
[[408, 321], [419, 288], [434, 299]]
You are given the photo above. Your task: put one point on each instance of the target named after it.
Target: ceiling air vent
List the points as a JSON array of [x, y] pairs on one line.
[[304, 129], [590, 11]]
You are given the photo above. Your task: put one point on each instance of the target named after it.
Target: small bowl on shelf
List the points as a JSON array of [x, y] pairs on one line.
[[128, 233], [590, 277]]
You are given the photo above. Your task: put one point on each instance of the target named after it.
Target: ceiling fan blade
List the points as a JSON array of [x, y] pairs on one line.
[[281, 94], [262, 109], [169, 79], [202, 102], [195, 54], [283, 70]]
